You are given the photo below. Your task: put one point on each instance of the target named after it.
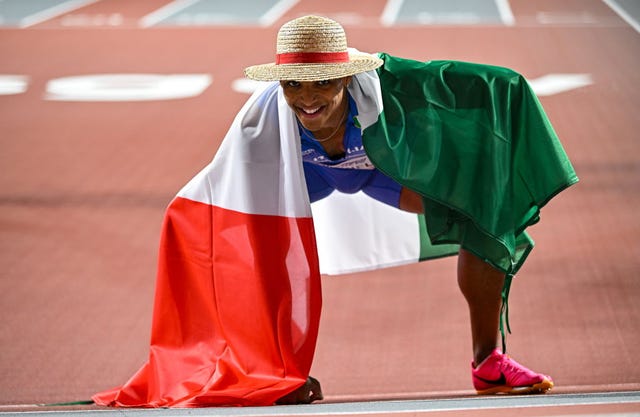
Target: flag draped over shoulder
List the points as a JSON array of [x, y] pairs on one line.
[[238, 294], [475, 142], [357, 233]]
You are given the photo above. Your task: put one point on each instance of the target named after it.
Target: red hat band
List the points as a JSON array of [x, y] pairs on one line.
[[312, 58]]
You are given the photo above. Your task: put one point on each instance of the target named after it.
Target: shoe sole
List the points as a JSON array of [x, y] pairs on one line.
[[539, 388]]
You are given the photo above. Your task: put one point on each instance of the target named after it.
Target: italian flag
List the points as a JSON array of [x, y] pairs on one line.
[[238, 294]]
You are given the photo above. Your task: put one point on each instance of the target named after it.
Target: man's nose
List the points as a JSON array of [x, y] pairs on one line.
[[308, 93]]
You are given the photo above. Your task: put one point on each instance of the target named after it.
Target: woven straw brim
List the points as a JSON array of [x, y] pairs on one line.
[[313, 72]]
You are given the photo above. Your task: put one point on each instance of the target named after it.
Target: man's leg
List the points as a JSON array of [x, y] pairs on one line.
[[492, 371], [481, 284]]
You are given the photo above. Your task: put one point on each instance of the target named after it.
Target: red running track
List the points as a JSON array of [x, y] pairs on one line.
[[84, 186]]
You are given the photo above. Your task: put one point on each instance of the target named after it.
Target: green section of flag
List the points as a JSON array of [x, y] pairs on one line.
[[429, 250], [475, 142]]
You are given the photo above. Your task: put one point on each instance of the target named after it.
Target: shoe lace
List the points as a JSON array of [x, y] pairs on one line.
[[504, 311]]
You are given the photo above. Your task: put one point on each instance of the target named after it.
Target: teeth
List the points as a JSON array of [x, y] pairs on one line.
[[311, 111]]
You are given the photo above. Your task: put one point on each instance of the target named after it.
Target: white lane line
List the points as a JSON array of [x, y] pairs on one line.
[[52, 12], [390, 12], [613, 414], [623, 14], [505, 12], [276, 12], [164, 12], [367, 408], [473, 403]]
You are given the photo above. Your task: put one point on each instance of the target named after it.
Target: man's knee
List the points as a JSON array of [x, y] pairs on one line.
[[410, 201]]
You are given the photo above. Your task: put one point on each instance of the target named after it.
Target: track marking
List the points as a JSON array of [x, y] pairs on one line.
[[552, 84], [390, 12], [276, 12], [13, 84], [143, 87], [583, 18], [443, 12], [368, 408], [623, 14], [92, 20], [412, 395], [505, 12], [245, 85], [127, 87], [165, 12], [474, 403], [52, 12]]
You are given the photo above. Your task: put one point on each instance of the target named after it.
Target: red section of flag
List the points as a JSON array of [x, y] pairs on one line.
[[236, 314]]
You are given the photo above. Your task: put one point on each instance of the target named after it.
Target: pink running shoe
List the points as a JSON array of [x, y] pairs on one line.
[[501, 374]]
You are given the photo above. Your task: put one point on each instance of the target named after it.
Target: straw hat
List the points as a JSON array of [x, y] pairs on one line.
[[312, 48]]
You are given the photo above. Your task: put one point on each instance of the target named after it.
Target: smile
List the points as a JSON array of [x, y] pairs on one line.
[[310, 111]]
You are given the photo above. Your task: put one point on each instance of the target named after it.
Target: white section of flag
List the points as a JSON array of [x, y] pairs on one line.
[[356, 233], [258, 168]]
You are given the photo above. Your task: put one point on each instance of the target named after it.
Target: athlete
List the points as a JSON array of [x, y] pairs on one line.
[[316, 87], [238, 294]]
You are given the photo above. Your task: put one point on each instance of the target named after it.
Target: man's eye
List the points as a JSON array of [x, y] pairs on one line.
[[323, 82], [293, 83]]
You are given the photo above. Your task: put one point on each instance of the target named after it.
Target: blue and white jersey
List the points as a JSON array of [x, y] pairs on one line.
[[354, 157], [349, 173]]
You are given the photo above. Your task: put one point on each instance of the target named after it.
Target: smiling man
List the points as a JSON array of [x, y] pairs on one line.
[[238, 295]]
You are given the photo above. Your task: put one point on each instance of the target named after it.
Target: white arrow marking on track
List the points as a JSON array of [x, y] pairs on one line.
[[13, 84], [127, 87], [551, 84]]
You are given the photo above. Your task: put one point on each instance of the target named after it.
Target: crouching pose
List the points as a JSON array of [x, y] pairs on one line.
[[237, 308]]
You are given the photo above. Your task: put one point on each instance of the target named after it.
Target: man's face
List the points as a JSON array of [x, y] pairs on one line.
[[317, 104]]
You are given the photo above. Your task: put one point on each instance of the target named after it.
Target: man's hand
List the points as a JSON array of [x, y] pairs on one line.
[[306, 394]]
